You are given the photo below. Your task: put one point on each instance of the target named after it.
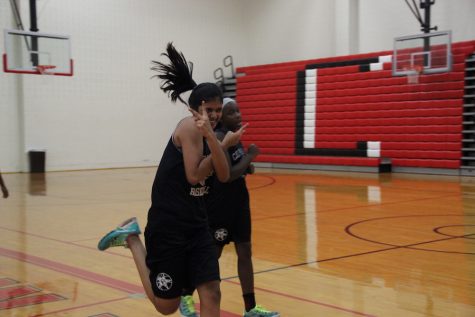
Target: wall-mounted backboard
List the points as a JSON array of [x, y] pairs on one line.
[[37, 53]]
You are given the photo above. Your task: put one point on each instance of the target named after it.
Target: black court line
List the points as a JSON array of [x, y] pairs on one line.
[[411, 246], [438, 230], [311, 262], [272, 181], [391, 247]]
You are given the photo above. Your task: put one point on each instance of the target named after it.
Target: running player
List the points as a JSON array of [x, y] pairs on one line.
[[179, 251]]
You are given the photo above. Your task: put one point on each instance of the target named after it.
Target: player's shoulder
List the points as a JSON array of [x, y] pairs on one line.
[[187, 129]]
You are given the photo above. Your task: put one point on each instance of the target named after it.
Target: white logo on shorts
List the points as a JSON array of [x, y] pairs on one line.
[[221, 234], [164, 282]]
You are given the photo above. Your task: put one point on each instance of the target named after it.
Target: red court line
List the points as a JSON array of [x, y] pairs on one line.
[[128, 287], [62, 241], [81, 306], [63, 268], [83, 274], [307, 300], [30, 300], [7, 281], [17, 291]]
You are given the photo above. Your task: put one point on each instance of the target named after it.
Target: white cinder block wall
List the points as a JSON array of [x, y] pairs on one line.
[[382, 20], [111, 114], [11, 127]]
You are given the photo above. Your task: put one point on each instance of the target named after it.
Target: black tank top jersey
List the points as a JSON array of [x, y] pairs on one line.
[[175, 202], [225, 194]]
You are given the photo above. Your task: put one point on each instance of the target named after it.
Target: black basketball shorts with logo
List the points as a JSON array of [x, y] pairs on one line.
[[179, 260], [231, 219]]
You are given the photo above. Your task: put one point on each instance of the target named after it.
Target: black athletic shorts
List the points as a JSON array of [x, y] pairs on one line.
[[179, 260], [232, 220]]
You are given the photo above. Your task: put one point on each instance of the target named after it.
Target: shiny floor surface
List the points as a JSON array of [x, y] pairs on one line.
[[324, 244]]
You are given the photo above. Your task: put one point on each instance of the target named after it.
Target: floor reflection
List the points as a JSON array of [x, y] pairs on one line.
[[37, 184]]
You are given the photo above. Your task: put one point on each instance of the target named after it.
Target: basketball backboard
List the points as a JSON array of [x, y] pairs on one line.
[[426, 53], [37, 53]]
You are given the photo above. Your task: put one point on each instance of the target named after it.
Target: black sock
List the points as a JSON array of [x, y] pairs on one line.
[[249, 301]]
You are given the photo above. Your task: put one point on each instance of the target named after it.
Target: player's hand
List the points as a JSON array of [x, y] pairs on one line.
[[251, 169], [253, 150], [232, 138], [202, 122]]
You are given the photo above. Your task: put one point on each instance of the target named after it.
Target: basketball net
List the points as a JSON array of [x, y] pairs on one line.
[[413, 75], [44, 69]]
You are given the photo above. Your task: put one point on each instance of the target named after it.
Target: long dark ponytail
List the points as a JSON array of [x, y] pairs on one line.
[[177, 78]]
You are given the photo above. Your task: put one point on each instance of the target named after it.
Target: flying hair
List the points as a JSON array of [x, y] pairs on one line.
[[176, 76]]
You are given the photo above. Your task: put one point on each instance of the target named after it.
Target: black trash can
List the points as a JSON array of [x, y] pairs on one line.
[[37, 160]]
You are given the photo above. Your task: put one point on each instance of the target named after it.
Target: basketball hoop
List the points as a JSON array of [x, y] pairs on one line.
[[44, 69], [413, 74]]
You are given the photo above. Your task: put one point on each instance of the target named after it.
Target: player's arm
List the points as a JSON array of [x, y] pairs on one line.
[[197, 168], [241, 167], [191, 136]]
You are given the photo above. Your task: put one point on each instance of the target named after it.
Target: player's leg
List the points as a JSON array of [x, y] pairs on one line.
[[242, 240], [203, 269], [210, 298], [127, 235], [246, 273], [163, 305]]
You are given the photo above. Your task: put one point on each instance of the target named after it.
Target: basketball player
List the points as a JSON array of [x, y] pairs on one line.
[[179, 251], [229, 215]]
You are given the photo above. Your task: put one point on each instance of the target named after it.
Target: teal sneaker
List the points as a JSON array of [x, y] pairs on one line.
[[260, 311], [118, 237], [187, 307]]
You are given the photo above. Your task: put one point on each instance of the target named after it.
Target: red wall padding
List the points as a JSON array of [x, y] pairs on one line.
[[418, 125]]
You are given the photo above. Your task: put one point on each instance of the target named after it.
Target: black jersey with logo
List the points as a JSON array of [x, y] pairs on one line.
[[175, 202], [227, 195]]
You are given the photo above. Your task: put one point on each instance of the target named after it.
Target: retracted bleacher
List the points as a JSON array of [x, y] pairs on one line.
[[350, 113]]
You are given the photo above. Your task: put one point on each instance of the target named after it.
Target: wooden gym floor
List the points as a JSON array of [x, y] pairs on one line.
[[325, 244]]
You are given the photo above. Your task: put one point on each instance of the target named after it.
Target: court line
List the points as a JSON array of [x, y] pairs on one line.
[[391, 247], [7, 293], [73, 271], [307, 300], [121, 285], [80, 306], [107, 281], [410, 246], [30, 300], [311, 262], [73, 243], [272, 181], [29, 257], [83, 274]]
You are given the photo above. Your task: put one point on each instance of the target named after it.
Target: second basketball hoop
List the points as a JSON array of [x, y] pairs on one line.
[[413, 74]]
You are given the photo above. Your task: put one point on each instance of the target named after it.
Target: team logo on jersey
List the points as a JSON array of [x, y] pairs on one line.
[[237, 154], [221, 234], [199, 191], [164, 282]]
